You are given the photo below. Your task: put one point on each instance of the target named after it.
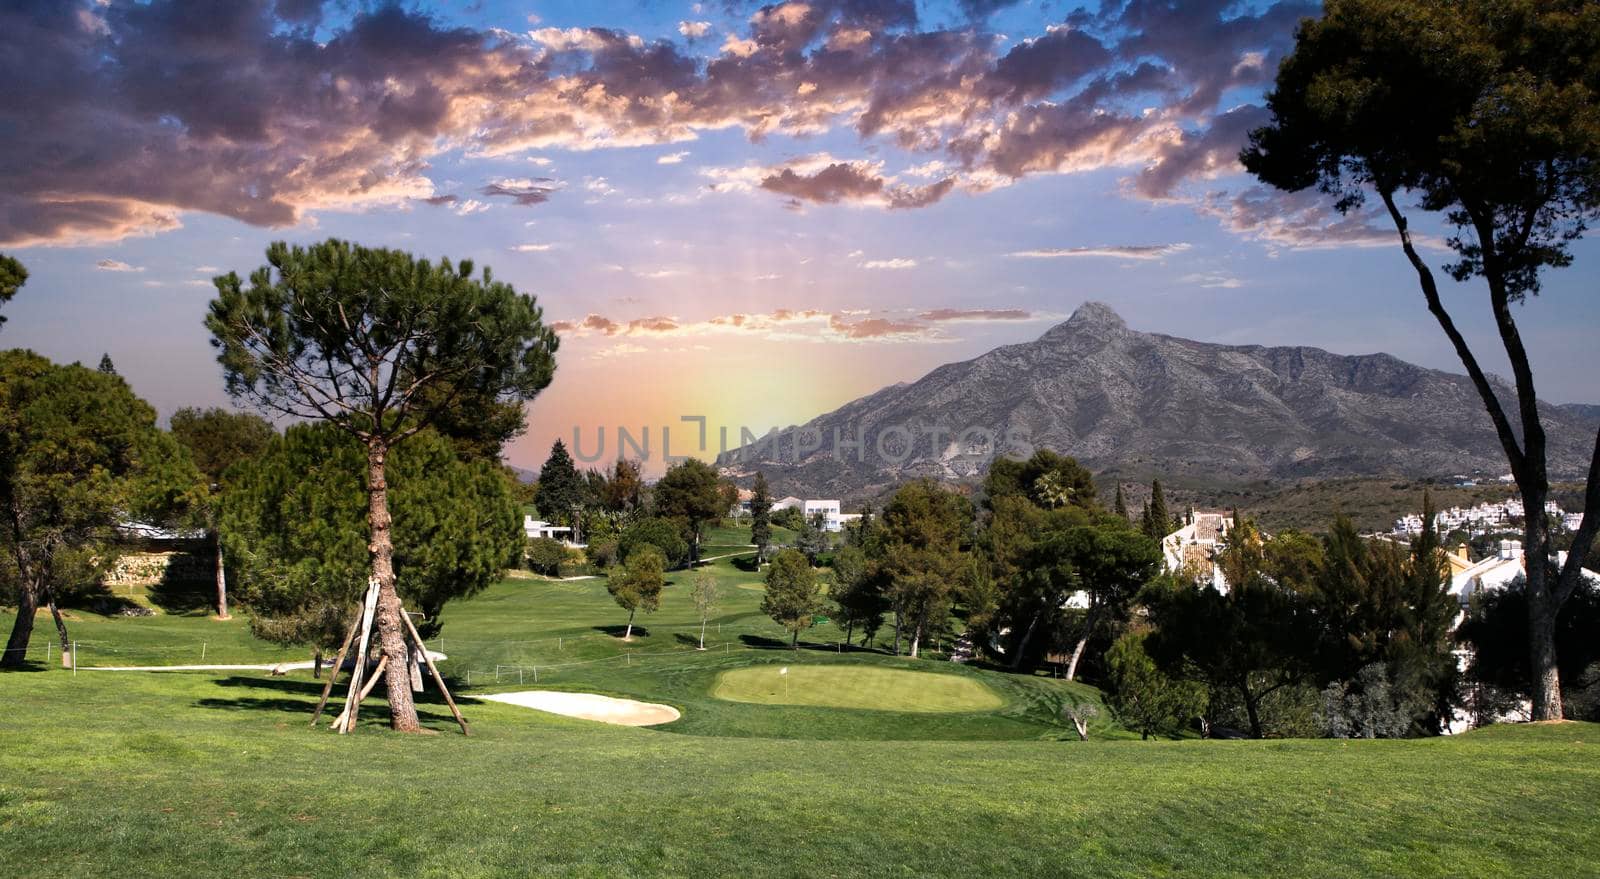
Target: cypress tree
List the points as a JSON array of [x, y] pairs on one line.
[[1121, 506]]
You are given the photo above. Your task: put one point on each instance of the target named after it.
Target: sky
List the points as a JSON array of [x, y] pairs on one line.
[[747, 213]]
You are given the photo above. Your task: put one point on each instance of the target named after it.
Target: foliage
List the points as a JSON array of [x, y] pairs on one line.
[[1486, 112], [560, 492], [636, 584], [925, 547], [1146, 699], [663, 534], [1368, 708], [216, 438], [1046, 479], [857, 593], [293, 528], [703, 593], [623, 489], [790, 518], [1496, 631], [760, 514], [12, 277], [793, 597], [545, 555], [689, 491], [813, 540], [79, 454], [1253, 640], [603, 553]]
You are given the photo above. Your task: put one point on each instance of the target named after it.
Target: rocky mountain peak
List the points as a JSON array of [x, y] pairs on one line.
[[1093, 319]]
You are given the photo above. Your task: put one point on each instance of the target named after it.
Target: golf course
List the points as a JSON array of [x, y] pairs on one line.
[[848, 763]]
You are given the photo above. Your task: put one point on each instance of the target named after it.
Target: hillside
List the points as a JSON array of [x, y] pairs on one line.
[[1140, 404]]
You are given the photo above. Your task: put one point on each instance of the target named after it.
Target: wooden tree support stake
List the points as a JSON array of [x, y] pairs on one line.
[[437, 679], [360, 685], [338, 666]]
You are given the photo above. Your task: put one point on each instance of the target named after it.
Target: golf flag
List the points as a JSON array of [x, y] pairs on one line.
[[784, 670]]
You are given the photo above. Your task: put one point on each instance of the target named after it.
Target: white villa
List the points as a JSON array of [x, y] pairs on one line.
[[1195, 546], [1481, 519], [540, 528], [832, 519]]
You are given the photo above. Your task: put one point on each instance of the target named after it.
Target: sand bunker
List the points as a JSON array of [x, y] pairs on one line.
[[590, 706]]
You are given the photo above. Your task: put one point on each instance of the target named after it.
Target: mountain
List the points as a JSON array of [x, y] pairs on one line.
[[1140, 404]]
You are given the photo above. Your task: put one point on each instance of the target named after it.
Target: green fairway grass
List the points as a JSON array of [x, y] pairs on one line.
[[855, 686], [874, 765], [181, 775]]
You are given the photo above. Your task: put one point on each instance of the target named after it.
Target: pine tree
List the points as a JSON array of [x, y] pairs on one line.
[[106, 366], [1121, 506], [561, 488], [760, 515], [792, 597], [1160, 520]]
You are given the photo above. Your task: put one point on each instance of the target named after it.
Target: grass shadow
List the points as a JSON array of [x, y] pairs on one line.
[[311, 690], [746, 563], [182, 589]]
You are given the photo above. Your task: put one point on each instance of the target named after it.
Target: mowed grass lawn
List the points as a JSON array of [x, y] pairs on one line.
[[217, 773], [855, 686], [198, 775]]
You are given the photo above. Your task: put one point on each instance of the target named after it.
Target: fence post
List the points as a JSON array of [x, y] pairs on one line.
[[536, 674], [469, 677], [519, 675], [74, 659], [47, 644], [202, 651], [558, 645]]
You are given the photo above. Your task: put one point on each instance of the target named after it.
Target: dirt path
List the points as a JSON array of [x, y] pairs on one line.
[[269, 666]]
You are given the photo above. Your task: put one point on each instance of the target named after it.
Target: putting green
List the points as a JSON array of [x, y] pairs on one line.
[[855, 686]]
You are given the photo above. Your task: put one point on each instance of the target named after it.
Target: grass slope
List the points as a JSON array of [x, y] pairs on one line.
[[195, 775]]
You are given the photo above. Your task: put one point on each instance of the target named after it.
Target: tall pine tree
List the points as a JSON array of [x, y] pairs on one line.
[[561, 489], [760, 515]]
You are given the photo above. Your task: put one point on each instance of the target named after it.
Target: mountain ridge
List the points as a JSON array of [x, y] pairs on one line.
[[1119, 400]]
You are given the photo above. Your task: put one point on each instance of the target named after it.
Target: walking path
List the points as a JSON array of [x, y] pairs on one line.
[[270, 666]]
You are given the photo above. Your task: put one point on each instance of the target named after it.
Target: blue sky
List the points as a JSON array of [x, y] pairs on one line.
[[749, 213]]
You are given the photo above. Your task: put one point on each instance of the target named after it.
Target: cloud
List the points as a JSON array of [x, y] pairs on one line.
[[896, 263], [523, 191], [694, 30], [532, 248], [297, 107], [672, 158], [116, 265], [1301, 220], [976, 314], [851, 325], [1120, 251], [1212, 281]]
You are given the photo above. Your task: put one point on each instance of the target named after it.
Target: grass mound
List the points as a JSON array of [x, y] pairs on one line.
[[855, 686]]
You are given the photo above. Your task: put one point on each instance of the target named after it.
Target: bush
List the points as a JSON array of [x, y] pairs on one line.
[[1367, 708], [665, 535], [790, 518], [604, 554], [545, 556]]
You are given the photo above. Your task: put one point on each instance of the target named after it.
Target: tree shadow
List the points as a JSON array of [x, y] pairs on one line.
[[639, 630], [309, 691], [762, 642], [746, 563], [690, 638], [184, 586]]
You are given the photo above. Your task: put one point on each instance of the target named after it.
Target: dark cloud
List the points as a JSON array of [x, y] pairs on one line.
[[120, 118], [846, 182], [523, 191], [440, 200]]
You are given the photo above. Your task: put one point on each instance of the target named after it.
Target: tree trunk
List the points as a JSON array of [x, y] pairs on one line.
[[222, 582], [391, 632], [1542, 651], [61, 627], [702, 633], [316, 664], [897, 623], [1077, 653], [849, 631], [1252, 709], [1027, 635], [628, 635], [21, 630], [916, 639], [794, 640]]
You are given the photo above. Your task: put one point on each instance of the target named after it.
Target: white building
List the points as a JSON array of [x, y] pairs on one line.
[[828, 510], [540, 528], [789, 503], [1195, 546]]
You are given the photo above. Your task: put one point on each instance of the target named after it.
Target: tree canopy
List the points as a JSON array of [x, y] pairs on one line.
[[12, 277], [381, 345], [79, 455], [690, 492], [793, 597], [1486, 113], [293, 526]]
